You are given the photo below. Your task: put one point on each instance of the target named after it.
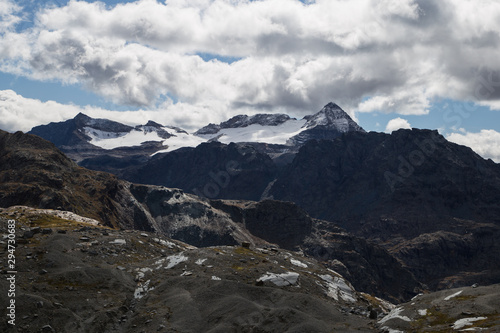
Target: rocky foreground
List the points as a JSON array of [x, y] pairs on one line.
[[75, 275]]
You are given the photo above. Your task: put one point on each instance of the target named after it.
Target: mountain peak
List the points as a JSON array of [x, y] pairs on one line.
[[153, 124], [82, 118], [332, 116], [331, 105]]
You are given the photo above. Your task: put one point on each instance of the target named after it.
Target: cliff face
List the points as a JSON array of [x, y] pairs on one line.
[[211, 170], [433, 204], [415, 177]]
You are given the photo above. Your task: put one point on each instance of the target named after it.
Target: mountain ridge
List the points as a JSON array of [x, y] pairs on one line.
[[35, 173]]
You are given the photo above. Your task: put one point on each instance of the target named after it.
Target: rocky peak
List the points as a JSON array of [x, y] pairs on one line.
[[82, 119], [264, 119], [153, 124], [332, 116]]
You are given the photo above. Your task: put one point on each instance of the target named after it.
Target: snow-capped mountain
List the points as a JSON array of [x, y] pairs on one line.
[[84, 137], [170, 138], [281, 129], [86, 133], [328, 123], [332, 116]]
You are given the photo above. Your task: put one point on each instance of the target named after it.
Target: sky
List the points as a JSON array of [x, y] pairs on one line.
[[389, 63]]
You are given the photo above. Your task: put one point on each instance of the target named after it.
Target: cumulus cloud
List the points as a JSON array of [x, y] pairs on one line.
[[366, 55], [18, 113], [397, 123], [486, 142]]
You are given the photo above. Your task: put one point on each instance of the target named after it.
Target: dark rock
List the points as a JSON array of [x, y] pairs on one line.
[[28, 234], [211, 170]]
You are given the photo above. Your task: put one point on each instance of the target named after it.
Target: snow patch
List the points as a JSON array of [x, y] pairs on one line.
[[281, 280], [447, 298], [216, 278], [118, 241], [180, 140], [175, 259], [298, 263], [142, 290], [142, 272], [111, 140], [200, 261], [257, 133], [338, 287], [422, 312], [461, 323], [394, 314]]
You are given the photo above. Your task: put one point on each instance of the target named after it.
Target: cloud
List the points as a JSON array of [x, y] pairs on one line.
[[392, 55], [486, 142], [18, 113], [397, 123]]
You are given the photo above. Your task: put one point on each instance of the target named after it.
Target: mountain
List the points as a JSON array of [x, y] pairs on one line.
[[85, 137], [35, 173], [432, 204], [279, 129], [110, 146], [435, 205], [212, 170]]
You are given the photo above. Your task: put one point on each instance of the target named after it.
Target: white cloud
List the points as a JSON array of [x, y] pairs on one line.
[[397, 123], [18, 113], [486, 142], [366, 55]]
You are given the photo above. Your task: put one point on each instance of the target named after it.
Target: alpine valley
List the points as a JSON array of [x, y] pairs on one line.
[[262, 223]]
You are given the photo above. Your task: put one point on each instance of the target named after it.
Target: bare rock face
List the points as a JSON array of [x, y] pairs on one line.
[[282, 223], [426, 200], [370, 267], [414, 178], [367, 265], [212, 170]]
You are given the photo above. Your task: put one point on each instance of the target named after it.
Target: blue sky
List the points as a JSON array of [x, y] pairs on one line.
[[389, 63]]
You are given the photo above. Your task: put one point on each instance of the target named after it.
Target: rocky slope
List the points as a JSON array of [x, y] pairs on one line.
[[78, 277], [211, 170], [36, 174], [75, 275], [471, 309], [432, 203]]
